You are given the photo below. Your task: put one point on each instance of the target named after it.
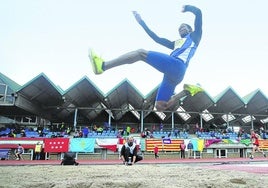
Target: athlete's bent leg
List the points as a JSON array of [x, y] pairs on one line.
[[163, 105], [165, 91], [138, 158], [128, 58], [188, 91]]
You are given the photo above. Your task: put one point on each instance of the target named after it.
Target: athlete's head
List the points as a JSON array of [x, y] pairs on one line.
[[185, 29], [130, 141]]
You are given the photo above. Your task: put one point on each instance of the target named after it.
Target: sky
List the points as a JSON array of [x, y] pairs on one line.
[[53, 37]]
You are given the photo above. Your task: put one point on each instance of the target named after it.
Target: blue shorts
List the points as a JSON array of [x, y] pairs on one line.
[[173, 70]]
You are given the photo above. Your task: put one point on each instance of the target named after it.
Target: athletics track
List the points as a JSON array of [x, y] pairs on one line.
[[257, 165]]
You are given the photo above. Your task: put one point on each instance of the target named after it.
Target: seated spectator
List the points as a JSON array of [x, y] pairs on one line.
[[19, 152], [95, 128], [23, 133], [80, 134], [143, 135], [12, 134], [40, 133], [99, 130], [148, 132], [128, 130], [132, 130], [68, 131], [129, 152], [76, 134]]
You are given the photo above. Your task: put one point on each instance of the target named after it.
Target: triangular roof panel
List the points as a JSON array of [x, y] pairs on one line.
[[12, 84]]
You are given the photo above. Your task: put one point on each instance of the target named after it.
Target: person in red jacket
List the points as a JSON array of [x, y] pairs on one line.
[[182, 147], [156, 150]]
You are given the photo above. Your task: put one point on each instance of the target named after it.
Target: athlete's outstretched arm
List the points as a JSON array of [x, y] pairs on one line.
[[197, 33], [163, 41]]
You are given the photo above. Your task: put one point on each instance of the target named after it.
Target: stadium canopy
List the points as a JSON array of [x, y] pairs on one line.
[[85, 103]]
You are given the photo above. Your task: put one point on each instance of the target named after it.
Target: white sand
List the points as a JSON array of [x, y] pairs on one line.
[[139, 175]]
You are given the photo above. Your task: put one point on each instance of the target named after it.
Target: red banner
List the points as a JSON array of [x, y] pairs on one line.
[[56, 145]]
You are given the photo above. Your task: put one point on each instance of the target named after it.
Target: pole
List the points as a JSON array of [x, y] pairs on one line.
[[172, 123], [75, 118], [109, 120], [201, 122], [142, 121], [252, 125]]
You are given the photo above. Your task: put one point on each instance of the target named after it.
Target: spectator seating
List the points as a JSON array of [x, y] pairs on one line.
[[218, 135], [5, 132], [104, 134], [31, 134], [165, 134]]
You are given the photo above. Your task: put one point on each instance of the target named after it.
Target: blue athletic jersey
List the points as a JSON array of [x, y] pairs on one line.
[[184, 49]]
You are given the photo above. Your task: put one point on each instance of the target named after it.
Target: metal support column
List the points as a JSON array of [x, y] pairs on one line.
[[142, 121], [109, 120], [75, 118], [227, 119], [201, 121], [252, 124], [172, 121]]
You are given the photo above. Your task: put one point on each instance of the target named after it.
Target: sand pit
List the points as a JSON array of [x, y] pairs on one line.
[[119, 176]]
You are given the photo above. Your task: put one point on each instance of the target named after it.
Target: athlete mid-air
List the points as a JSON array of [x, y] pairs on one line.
[[173, 66]]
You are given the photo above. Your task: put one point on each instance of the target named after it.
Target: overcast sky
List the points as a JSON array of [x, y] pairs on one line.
[[53, 37]]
